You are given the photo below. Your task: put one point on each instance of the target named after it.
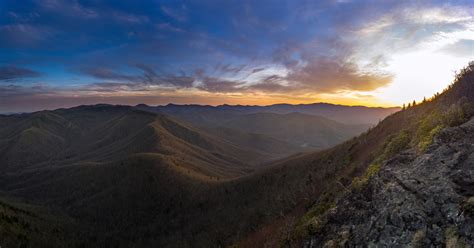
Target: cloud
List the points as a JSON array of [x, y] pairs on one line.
[[114, 87], [68, 8], [73, 8], [77, 10], [438, 15], [166, 26], [270, 87], [177, 81], [331, 75], [409, 27], [213, 84], [151, 77], [129, 18], [178, 13], [147, 76], [285, 54], [229, 68], [13, 72], [256, 70], [107, 73], [10, 90], [24, 35], [459, 48]]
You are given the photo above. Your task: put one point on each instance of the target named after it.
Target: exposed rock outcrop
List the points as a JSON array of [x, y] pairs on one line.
[[414, 200]]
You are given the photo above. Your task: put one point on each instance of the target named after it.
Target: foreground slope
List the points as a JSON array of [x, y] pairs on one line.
[[417, 200], [418, 192]]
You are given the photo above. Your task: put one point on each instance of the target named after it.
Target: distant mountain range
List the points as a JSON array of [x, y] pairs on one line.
[[304, 127], [210, 115]]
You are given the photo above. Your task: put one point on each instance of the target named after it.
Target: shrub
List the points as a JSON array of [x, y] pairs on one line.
[[418, 237], [452, 238], [397, 144], [453, 116], [468, 206], [427, 140], [310, 222], [362, 181], [458, 113]]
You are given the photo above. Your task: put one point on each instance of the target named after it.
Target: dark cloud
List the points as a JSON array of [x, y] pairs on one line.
[[272, 79], [111, 87], [286, 54], [177, 81], [257, 70], [271, 87], [213, 84], [12, 72], [148, 76], [106, 73], [229, 68], [152, 77], [10, 90]]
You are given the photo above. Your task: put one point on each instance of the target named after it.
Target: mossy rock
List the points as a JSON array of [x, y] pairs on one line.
[[468, 206]]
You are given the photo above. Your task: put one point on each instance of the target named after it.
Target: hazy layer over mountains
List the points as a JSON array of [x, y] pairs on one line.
[[209, 115], [304, 127]]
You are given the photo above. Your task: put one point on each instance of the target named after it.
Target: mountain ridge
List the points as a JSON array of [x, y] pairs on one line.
[[340, 113]]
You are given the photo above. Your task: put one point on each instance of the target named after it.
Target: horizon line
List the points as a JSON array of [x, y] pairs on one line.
[[196, 104]]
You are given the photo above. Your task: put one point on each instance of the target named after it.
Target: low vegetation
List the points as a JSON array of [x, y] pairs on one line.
[[360, 182]]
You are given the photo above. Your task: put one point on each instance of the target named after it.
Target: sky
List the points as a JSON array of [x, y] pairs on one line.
[[58, 53]]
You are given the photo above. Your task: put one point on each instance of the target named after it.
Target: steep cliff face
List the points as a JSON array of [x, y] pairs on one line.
[[413, 200]]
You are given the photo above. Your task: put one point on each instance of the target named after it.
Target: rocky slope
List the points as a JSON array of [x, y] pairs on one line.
[[415, 200]]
